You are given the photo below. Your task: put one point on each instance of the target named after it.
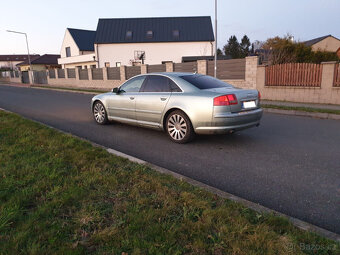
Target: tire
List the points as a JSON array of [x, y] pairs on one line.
[[179, 127], [99, 113]]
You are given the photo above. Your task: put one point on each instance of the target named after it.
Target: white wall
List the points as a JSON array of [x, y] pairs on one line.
[[155, 52], [69, 42]]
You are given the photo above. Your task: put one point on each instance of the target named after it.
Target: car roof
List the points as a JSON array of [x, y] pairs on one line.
[[171, 74]]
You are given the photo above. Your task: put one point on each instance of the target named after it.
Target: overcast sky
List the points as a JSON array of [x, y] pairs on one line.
[[45, 21]]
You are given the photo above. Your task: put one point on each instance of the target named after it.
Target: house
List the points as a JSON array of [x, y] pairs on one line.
[[39, 63], [9, 62], [77, 49], [324, 43], [135, 41]]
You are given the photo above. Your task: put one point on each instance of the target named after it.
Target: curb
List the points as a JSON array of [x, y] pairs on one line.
[[319, 115], [254, 206]]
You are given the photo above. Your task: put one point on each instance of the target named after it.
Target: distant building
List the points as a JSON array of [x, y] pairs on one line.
[[135, 41], [324, 43], [39, 63], [77, 49], [9, 62]]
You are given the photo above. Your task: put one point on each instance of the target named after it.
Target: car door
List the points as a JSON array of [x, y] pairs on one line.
[[121, 106], [152, 99]]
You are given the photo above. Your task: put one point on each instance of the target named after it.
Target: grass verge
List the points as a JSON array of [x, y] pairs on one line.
[[300, 108], [61, 195]]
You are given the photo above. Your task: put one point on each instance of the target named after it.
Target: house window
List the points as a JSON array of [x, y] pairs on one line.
[[149, 34], [93, 66], [118, 64], [107, 64], [129, 34], [175, 33], [68, 51]]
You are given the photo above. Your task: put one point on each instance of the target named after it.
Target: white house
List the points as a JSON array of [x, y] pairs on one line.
[[133, 41], [77, 49]]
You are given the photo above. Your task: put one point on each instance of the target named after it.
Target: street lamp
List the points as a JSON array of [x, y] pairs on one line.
[[215, 66], [28, 51]]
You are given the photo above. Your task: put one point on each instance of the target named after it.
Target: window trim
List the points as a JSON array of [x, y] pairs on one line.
[[137, 76], [148, 75], [68, 48]]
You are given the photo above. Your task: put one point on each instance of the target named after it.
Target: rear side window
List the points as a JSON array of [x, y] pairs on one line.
[[156, 83], [205, 82]]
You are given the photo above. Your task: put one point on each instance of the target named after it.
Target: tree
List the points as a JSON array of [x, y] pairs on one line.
[[219, 52], [232, 48], [244, 46]]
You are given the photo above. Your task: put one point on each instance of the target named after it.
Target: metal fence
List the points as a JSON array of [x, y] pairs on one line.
[[336, 82], [294, 74], [190, 67], [113, 73], [51, 73], [61, 73], [131, 71], [40, 77], [231, 69], [71, 73], [97, 73], [83, 74], [156, 68]]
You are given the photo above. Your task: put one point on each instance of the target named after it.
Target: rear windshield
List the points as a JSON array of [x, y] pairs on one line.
[[205, 82]]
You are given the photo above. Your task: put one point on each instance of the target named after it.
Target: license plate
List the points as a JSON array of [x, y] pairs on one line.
[[249, 104]]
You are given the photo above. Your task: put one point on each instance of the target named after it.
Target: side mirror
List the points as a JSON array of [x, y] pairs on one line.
[[115, 90]]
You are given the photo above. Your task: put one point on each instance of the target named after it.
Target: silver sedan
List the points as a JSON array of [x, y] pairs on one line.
[[182, 104]]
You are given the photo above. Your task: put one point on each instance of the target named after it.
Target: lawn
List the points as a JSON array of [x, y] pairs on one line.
[[61, 195], [300, 108]]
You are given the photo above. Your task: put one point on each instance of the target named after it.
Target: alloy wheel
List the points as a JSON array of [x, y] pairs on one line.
[[177, 127]]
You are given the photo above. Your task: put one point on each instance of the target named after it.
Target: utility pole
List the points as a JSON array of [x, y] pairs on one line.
[[28, 50], [215, 66]]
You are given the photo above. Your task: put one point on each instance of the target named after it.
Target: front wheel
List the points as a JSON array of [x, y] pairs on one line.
[[99, 113], [179, 128]]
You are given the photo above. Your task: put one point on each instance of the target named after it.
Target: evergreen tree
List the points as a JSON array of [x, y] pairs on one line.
[[219, 52], [244, 46], [232, 48]]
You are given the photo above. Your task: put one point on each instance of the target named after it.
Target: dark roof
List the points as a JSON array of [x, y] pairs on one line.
[[316, 40], [21, 57], [47, 59], [190, 29], [83, 38]]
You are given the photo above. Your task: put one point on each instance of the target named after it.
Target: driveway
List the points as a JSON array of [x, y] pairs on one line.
[[289, 164]]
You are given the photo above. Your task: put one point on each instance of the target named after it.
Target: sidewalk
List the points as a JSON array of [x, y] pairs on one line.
[[307, 105]]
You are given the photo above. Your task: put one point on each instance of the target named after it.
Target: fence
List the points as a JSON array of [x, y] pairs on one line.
[[156, 68], [190, 67], [131, 71], [71, 73], [51, 73], [336, 82], [113, 73], [61, 73], [294, 74], [83, 74], [231, 69]]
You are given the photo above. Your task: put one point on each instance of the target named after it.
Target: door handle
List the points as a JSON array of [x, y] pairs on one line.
[[164, 98], [132, 98]]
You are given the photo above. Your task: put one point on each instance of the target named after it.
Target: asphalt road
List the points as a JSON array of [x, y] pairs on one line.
[[289, 164]]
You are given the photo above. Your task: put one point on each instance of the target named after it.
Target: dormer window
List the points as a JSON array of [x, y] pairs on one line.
[[149, 34], [175, 33], [129, 34]]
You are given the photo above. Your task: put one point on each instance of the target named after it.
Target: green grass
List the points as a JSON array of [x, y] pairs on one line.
[[61, 195], [71, 89], [300, 108]]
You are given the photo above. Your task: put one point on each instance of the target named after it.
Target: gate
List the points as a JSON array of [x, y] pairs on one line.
[[25, 77], [40, 77]]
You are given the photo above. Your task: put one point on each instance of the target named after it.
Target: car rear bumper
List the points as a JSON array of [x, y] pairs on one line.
[[231, 122]]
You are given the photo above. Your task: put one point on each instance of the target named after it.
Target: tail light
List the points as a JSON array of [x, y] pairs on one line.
[[259, 95], [225, 100]]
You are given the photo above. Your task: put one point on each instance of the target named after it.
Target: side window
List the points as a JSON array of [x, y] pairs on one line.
[[174, 87], [156, 83], [133, 85]]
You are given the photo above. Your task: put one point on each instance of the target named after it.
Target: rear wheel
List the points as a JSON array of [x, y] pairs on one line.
[[99, 113], [179, 128]]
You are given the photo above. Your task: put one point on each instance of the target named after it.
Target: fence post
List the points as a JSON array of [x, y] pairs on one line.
[[31, 76], [144, 69], [251, 69], [327, 79], [123, 73], [104, 73], [77, 74], [89, 71], [202, 66], [169, 67]]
